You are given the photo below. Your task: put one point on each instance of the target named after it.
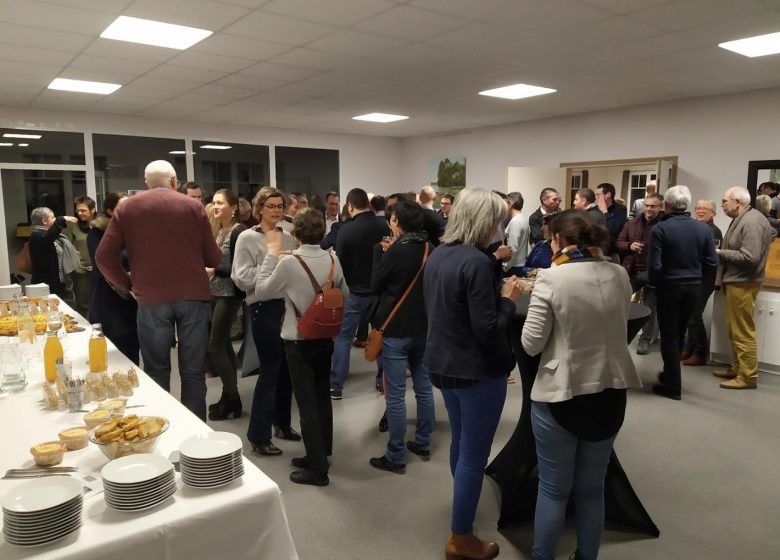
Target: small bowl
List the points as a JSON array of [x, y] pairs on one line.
[[96, 417], [115, 449], [116, 406], [48, 453], [74, 438]]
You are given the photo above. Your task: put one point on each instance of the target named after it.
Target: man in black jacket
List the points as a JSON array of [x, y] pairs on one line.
[[682, 252], [550, 202], [355, 249], [615, 214], [433, 222], [46, 230]]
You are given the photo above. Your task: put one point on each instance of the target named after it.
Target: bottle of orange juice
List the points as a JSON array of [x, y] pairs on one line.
[[98, 352], [52, 351]]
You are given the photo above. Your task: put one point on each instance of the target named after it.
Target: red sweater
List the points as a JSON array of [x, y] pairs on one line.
[[169, 245]]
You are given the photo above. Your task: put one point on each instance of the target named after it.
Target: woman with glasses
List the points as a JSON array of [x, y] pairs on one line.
[[273, 392]]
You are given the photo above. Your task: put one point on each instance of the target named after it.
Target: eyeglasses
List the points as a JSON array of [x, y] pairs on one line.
[[274, 206]]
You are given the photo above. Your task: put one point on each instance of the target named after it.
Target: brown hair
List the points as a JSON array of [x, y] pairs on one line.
[[232, 200], [578, 228], [309, 226], [262, 196]]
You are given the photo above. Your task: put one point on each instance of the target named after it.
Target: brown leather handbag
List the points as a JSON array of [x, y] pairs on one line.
[[376, 337]]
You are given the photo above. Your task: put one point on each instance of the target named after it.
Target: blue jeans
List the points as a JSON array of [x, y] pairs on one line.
[[568, 463], [272, 398], [158, 326], [356, 308], [396, 354], [474, 413]]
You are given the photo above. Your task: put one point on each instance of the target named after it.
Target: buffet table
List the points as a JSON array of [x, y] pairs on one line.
[[515, 467], [245, 519]]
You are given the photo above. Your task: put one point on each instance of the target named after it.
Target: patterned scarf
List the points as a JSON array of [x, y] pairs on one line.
[[413, 237], [572, 253]]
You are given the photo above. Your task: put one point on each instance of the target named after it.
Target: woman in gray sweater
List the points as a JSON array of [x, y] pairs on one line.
[[283, 276]]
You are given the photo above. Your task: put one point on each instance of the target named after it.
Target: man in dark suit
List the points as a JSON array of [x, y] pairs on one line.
[[355, 249], [433, 223], [615, 214], [446, 206], [550, 201], [585, 199]]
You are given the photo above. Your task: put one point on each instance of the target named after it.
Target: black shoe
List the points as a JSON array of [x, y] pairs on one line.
[[287, 433], [383, 464], [302, 462], [380, 388], [424, 454], [225, 407], [308, 476], [664, 392], [335, 394], [383, 425], [265, 448]]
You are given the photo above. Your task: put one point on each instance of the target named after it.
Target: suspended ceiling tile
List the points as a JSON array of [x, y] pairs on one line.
[[203, 14], [334, 12], [231, 45], [278, 29], [411, 24], [356, 43]]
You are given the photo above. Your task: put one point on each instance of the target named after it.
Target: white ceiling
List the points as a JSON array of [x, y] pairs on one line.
[[314, 64]]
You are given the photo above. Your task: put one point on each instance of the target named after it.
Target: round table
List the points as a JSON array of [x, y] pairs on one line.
[[515, 468]]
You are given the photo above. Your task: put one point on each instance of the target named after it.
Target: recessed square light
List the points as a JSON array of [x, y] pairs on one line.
[[156, 33], [22, 145], [6, 144], [214, 147], [517, 91], [32, 136], [760, 45], [83, 86], [380, 117]]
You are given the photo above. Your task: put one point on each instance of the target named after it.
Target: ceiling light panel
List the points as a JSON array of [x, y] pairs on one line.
[[214, 147], [82, 86], [517, 91], [761, 45], [156, 33], [380, 117], [14, 135]]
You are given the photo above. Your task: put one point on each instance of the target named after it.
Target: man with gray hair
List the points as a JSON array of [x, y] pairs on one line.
[[682, 251], [169, 244], [743, 255]]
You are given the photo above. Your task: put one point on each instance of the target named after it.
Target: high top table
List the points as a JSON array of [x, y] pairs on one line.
[[243, 520], [515, 467]]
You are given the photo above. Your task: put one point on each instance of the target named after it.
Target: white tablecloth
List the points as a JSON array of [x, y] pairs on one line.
[[245, 519]]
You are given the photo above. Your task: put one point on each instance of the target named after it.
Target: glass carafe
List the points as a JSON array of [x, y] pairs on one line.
[[98, 351]]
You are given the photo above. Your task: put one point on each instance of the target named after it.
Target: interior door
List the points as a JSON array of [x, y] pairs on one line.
[[529, 181]]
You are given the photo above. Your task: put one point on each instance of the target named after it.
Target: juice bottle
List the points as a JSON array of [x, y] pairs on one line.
[[98, 352], [51, 352]]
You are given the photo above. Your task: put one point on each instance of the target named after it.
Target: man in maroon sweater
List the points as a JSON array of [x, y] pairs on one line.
[[633, 244], [169, 244]]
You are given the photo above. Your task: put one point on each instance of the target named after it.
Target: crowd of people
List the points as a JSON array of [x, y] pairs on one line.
[[437, 289]]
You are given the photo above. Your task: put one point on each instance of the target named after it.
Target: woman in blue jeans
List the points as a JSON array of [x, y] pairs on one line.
[[468, 353], [579, 395], [398, 264]]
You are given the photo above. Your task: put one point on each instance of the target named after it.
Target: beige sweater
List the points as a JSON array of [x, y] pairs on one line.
[[284, 277], [745, 248]]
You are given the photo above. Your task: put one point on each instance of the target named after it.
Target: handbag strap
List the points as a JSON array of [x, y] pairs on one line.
[[314, 284], [407, 292]]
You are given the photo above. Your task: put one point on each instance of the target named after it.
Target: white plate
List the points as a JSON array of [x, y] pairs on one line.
[[195, 482], [163, 476], [40, 542], [211, 445], [140, 487], [213, 478], [219, 470], [45, 515], [41, 494], [209, 487], [231, 455], [143, 507], [42, 523], [41, 532], [137, 499], [133, 469]]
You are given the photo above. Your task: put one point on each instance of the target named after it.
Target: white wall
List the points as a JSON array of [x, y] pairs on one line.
[[369, 162], [714, 137]]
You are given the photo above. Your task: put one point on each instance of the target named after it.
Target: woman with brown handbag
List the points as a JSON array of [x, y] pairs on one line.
[[397, 280]]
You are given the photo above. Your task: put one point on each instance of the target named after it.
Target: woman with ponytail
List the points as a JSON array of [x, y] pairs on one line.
[[577, 320]]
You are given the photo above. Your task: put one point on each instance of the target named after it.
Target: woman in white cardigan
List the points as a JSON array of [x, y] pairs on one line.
[[577, 320], [309, 361]]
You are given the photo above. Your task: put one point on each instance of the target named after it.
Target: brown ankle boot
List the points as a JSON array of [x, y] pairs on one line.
[[468, 547]]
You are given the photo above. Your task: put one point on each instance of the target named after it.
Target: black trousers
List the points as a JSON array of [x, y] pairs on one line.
[[309, 364], [697, 334], [675, 304]]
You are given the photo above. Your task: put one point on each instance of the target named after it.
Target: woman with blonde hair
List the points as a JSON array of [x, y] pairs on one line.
[[272, 398], [467, 351], [224, 306]]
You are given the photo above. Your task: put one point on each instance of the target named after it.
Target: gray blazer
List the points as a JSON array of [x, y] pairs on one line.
[[745, 248], [577, 320]]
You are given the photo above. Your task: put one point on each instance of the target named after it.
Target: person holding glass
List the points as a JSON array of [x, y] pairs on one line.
[[272, 398], [696, 345], [467, 351], [579, 395]]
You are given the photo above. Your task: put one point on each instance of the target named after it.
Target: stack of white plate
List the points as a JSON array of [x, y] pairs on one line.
[[42, 510], [138, 482], [211, 460]]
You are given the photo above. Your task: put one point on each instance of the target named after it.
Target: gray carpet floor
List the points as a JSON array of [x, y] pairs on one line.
[[707, 469]]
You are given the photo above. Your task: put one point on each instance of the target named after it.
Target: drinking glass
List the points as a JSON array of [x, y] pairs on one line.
[[13, 377]]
